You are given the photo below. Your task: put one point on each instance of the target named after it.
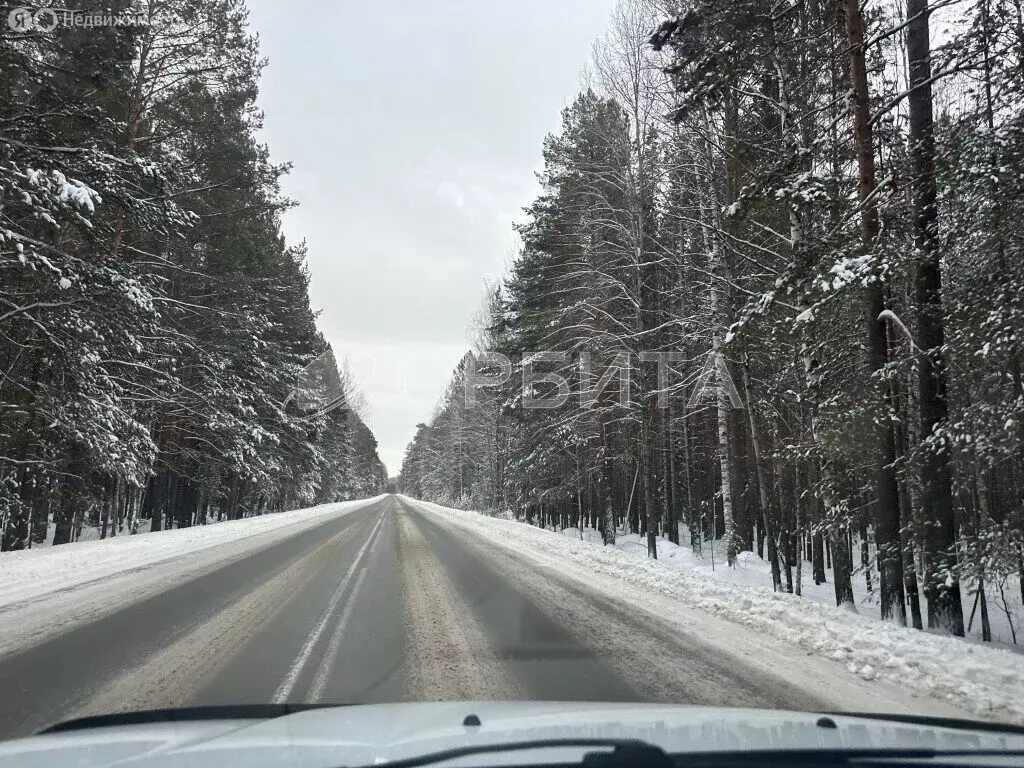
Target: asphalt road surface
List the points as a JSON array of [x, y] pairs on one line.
[[386, 603]]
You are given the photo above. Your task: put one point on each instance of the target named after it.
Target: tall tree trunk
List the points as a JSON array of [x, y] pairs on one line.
[[710, 231], [671, 486], [71, 497], [42, 497], [797, 548], [156, 498], [817, 554], [764, 494], [692, 517], [842, 562], [647, 471], [887, 511], [106, 502], [607, 491], [785, 528], [942, 588], [725, 463], [907, 548], [865, 557]]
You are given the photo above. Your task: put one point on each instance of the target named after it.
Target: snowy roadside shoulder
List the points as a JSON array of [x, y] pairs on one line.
[[32, 573], [986, 681]]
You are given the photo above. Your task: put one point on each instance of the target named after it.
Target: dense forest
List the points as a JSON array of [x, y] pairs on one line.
[[771, 293], [155, 326]]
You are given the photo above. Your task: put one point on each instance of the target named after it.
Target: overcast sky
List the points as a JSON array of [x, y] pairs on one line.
[[415, 128]]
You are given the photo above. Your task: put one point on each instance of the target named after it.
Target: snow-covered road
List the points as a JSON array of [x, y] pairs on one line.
[[393, 599]]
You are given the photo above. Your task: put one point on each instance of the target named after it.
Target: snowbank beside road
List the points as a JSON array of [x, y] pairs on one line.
[[49, 590], [986, 681], [752, 571], [31, 573]]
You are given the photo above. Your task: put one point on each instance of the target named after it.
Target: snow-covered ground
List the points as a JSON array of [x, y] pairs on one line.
[[1006, 614], [45, 590], [985, 680], [93, 533]]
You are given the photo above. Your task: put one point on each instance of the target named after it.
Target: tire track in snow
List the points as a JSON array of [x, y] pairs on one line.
[[447, 656]]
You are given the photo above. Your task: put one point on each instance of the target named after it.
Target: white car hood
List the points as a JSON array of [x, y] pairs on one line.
[[368, 734]]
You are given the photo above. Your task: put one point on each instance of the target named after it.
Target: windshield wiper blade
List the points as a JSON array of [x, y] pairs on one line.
[[624, 753], [955, 723], [826, 756], [184, 714], [634, 753]]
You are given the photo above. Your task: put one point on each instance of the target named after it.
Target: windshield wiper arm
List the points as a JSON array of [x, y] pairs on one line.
[[624, 753], [956, 723], [634, 753], [183, 714], [838, 757]]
